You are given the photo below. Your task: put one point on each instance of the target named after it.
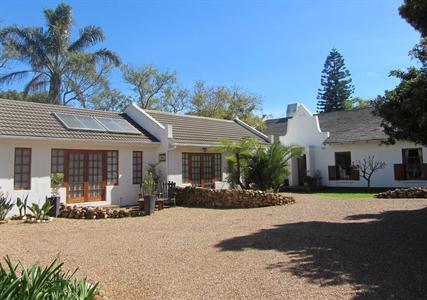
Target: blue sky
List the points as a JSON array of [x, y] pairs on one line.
[[275, 49]]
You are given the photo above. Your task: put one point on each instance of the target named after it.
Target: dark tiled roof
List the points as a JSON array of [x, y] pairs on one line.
[[201, 130], [343, 126], [276, 127], [351, 126], [29, 119]]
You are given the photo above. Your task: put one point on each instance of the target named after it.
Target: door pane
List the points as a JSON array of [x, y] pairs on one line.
[[76, 175], [95, 187], [207, 170], [195, 169]]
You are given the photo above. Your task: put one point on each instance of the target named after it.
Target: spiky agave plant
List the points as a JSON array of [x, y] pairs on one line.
[[48, 283], [6, 205]]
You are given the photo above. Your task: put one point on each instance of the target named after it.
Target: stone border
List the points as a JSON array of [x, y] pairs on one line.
[[416, 192], [96, 212], [200, 197]]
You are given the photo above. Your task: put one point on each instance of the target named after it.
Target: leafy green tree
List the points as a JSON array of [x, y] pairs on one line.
[[268, 167], [415, 12], [224, 102], [53, 60], [176, 99], [404, 109], [150, 87], [42, 97], [336, 84], [357, 103], [237, 153], [109, 99]]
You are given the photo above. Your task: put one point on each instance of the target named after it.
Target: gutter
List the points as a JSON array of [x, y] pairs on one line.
[[253, 130], [51, 139]]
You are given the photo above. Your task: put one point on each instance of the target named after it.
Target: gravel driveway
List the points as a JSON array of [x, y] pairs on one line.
[[318, 248]]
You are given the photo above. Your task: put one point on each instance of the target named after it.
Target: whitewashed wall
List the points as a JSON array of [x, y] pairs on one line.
[[124, 194], [304, 130], [383, 178]]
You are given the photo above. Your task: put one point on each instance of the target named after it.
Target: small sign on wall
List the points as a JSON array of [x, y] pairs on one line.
[[162, 157]]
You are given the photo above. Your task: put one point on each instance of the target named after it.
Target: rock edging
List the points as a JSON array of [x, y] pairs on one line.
[[416, 192], [201, 197], [94, 212]]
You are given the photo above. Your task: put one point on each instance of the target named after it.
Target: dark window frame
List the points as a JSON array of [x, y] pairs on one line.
[[112, 167], [345, 167], [137, 167], [405, 163], [187, 168], [55, 165], [23, 185]]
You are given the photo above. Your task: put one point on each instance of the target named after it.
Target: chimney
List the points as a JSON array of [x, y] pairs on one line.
[[291, 110]]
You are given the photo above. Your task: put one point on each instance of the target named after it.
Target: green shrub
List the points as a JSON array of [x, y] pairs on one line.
[[40, 212], [268, 167], [47, 283], [22, 206]]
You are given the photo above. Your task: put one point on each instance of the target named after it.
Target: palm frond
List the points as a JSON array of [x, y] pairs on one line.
[[106, 55], [88, 37], [18, 75], [38, 83], [26, 44]]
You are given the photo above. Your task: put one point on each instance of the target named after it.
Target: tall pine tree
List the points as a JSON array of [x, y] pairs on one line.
[[336, 84]]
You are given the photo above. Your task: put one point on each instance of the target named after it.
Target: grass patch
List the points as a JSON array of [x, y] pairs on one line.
[[348, 192]]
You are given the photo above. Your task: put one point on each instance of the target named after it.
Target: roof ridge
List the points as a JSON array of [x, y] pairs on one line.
[[29, 103], [187, 116], [281, 118], [345, 110]]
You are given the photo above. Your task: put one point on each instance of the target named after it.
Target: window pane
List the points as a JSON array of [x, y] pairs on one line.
[[22, 168], [112, 166], [137, 167], [184, 167], [57, 165], [413, 161], [343, 164]]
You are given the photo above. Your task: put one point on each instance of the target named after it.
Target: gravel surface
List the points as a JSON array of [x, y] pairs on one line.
[[318, 248]]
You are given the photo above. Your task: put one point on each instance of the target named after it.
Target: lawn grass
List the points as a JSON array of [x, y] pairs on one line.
[[348, 193]]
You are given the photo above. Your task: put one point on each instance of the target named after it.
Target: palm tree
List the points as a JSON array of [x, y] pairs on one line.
[[50, 54], [268, 167], [238, 150]]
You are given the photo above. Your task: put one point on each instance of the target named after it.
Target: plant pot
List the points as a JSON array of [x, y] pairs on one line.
[[56, 202], [149, 204]]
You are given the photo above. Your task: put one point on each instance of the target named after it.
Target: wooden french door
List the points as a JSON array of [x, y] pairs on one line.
[[302, 169], [202, 169], [85, 175]]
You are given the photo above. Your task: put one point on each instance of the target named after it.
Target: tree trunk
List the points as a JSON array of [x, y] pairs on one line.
[[238, 170], [55, 90]]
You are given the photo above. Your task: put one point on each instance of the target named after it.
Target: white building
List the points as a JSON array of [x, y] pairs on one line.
[[102, 156], [333, 141]]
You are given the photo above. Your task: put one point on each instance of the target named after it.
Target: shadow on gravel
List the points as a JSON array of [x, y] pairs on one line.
[[384, 255]]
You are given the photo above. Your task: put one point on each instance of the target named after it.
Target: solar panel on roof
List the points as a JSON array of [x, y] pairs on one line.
[[76, 122], [117, 125], [70, 121], [91, 123]]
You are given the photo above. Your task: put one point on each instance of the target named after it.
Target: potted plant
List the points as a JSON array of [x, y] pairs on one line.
[[57, 181], [148, 190]]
